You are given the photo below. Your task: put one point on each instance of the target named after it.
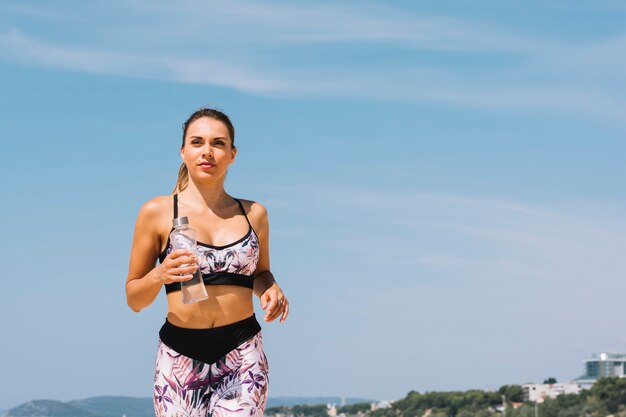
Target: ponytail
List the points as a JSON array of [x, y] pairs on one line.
[[183, 179]]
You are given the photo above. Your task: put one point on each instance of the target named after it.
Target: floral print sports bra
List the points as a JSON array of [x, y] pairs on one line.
[[232, 264]]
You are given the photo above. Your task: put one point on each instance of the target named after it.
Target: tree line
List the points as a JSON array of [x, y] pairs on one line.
[[606, 397]]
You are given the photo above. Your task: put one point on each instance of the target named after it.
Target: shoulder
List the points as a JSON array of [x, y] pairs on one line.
[[256, 212], [155, 211], [157, 206], [253, 208]]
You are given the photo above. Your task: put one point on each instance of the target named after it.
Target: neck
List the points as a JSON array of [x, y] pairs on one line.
[[211, 195]]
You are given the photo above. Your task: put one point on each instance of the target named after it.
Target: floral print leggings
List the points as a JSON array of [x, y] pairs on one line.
[[235, 385]]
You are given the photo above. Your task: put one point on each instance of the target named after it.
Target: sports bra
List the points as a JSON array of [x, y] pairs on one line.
[[232, 264]]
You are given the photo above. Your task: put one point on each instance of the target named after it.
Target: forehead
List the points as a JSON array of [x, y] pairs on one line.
[[207, 128]]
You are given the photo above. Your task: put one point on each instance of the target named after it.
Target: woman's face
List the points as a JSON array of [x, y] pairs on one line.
[[207, 151]]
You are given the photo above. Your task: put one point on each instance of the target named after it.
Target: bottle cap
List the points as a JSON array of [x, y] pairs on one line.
[[179, 221]]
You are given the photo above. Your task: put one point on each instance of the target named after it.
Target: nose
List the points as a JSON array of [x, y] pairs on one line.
[[207, 151]]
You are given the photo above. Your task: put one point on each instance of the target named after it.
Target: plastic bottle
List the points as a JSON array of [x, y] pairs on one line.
[[184, 237]]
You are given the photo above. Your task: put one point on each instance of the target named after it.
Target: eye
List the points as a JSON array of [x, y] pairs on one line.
[[220, 142]]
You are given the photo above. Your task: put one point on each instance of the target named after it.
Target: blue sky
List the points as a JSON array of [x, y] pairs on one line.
[[444, 180]]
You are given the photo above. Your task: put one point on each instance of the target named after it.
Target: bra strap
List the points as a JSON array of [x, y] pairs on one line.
[[244, 211], [236, 199]]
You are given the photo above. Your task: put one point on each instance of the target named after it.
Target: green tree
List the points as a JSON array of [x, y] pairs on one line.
[[565, 401], [551, 380], [354, 408], [309, 410], [549, 408], [611, 392], [513, 393]]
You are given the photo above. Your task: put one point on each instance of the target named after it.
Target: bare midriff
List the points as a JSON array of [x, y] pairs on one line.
[[226, 304]]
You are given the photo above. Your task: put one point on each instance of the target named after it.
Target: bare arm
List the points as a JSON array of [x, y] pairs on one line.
[[263, 278], [265, 286], [144, 278], [143, 284]]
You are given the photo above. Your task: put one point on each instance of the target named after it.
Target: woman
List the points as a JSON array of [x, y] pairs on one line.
[[210, 358]]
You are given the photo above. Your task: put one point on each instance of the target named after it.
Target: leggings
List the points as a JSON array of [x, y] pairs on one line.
[[234, 384]]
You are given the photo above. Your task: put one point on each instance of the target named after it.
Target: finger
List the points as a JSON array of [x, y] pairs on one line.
[[184, 260], [285, 312], [184, 270], [179, 278], [180, 252], [263, 300], [182, 278], [276, 311], [270, 307], [271, 313]]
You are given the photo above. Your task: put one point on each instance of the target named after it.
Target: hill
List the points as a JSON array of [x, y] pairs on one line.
[[48, 408], [90, 407], [112, 406]]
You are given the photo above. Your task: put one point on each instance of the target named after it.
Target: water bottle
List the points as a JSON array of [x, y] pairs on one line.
[[184, 237]]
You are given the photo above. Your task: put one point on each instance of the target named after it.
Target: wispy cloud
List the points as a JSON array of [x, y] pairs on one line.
[[24, 49], [466, 238], [477, 278], [331, 23], [271, 49], [456, 241]]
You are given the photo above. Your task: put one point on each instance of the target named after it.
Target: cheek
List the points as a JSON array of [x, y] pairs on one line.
[[222, 153], [190, 153]]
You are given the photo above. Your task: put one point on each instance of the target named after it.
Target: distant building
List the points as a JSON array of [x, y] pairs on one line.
[[601, 365], [380, 404], [539, 392], [597, 366], [605, 364]]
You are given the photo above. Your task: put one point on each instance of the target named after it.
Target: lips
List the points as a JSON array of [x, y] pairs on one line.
[[206, 165]]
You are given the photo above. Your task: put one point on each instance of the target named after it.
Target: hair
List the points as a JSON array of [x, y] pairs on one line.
[[183, 174]]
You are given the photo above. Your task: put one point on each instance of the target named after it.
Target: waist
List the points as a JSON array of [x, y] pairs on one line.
[[209, 344], [210, 330], [226, 304]]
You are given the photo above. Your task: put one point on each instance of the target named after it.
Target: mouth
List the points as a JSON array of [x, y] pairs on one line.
[[206, 165]]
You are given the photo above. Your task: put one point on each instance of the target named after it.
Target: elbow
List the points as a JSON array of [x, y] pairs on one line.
[[135, 309], [132, 306], [130, 302]]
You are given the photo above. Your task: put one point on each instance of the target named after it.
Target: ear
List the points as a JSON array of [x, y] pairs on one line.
[[182, 153], [233, 154]]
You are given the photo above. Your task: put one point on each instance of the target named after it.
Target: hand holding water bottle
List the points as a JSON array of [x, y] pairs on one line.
[[179, 265], [183, 237]]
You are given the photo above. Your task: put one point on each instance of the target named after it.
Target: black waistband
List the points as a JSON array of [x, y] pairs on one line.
[[210, 344]]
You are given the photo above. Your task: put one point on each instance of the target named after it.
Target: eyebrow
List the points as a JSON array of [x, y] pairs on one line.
[[200, 137]]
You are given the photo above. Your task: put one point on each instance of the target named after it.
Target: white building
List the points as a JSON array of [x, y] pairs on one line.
[[539, 392], [381, 404]]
